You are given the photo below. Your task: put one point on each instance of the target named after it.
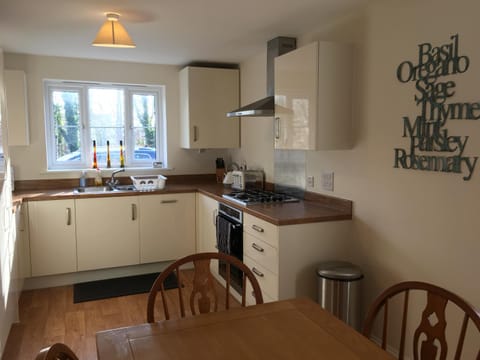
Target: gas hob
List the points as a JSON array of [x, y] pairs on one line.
[[256, 196]]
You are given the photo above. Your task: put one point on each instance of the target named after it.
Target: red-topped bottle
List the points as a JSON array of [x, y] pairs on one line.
[[95, 164], [122, 158], [109, 163]]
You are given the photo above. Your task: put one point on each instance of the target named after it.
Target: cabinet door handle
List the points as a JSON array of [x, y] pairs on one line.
[[173, 201], [214, 214], [195, 132], [134, 212], [257, 247], [257, 272], [277, 128], [69, 216], [258, 228]]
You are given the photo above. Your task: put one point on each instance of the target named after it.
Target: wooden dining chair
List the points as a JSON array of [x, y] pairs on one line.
[[57, 351], [203, 297], [429, 338]]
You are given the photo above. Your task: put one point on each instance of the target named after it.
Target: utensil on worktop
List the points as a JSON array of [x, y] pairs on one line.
[[220, 169]]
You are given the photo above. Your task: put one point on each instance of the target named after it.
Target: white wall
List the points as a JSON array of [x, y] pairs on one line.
[[408, 225], [256, 132], [30, 161]]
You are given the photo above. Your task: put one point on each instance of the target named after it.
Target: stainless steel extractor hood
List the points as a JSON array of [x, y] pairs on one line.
[[266, 106]]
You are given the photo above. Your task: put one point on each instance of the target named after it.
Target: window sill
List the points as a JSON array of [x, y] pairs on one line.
[[129, 170]]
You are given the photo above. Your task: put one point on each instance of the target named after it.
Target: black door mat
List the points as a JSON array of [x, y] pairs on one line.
[[129, 285]]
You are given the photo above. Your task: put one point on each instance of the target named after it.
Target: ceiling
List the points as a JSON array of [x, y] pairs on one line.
[[165, 31]]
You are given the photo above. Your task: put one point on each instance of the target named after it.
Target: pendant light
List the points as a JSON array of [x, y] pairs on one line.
[[113, 34]]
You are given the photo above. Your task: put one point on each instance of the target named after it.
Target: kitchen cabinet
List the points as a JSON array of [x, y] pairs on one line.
[[207, 210], [284, 258], [167, 226], [107, 232], [206, 95], [313, 101], [17, 109], [52, 237]]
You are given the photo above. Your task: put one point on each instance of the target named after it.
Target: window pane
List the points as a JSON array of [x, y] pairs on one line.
[[144, 120], [106, 110], [66, 117], [106, 107]]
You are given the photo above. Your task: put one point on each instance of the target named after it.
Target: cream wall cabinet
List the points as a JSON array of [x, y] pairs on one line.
[[284, 258], [206, 95], [107, 232], [207, 210], [313, 101], [167, 226], [17, 109], [52, 237]]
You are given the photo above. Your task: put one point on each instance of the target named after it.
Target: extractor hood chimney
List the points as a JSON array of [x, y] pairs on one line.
[[266, 106]]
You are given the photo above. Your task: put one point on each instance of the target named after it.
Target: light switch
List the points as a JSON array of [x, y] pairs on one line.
[[327, 180]]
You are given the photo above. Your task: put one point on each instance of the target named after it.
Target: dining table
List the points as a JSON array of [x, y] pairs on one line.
[[289, 329]]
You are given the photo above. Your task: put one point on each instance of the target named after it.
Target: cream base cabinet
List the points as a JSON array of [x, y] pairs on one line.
[[52, 237], [206, 95], [207, 210], [284, 258], [313, 101], [167, 226], [107, 232]]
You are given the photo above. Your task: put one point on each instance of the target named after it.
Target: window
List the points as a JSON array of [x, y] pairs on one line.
[[79, 113]]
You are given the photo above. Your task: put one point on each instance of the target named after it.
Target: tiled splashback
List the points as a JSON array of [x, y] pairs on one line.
[[289, 172]]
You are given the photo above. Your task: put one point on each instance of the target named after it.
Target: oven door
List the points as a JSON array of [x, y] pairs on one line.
[[230, 241]]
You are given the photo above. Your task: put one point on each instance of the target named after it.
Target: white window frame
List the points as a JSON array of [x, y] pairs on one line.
[[85, 148]]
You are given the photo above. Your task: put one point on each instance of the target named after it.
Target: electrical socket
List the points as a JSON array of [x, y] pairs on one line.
[[310, 181], [327, 180]]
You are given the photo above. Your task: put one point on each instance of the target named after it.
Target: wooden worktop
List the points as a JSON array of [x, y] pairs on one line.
[[315, 207]]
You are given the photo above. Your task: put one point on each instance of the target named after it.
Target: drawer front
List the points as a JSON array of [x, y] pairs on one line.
[[250, 299], [261, 252], [267, 280], [261, 229]]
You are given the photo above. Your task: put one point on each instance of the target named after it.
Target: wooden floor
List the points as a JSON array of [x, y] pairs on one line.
[[49, 315]]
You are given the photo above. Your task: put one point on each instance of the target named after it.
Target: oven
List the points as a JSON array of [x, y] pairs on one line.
[[230, 241]]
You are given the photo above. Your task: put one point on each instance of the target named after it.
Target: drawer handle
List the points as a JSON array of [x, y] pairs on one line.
[[214, 214], [169, 201], [195, 133], [69, 216], [277, 128], [134, 212], [257, 247], [257, 228], [257, 272]]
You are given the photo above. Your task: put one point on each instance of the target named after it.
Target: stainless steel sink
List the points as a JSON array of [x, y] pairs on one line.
[[102, 189], [125, 188]]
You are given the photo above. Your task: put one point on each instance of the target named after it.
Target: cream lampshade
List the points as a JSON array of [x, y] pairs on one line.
[[113, 34]]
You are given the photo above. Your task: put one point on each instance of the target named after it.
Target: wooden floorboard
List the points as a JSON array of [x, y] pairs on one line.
[[49, 315]]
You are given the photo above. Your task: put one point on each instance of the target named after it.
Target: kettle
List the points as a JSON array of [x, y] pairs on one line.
[[228, 179]]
